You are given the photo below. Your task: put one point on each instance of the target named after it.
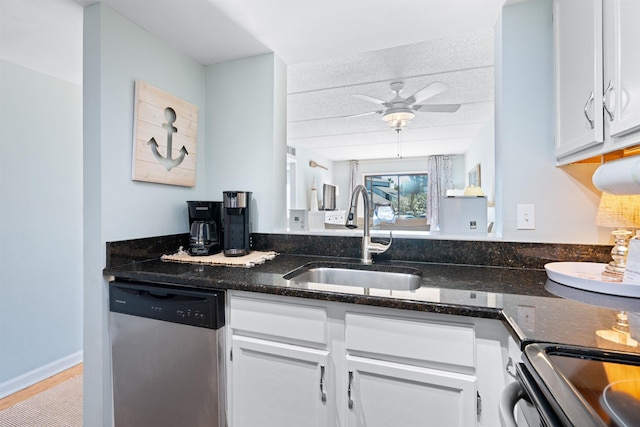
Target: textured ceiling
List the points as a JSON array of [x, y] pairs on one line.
[[321, 94]]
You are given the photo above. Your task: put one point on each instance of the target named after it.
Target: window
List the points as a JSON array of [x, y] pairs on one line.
[[405, 194]]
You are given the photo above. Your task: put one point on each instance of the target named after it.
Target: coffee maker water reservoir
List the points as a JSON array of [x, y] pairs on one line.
[[237, 218]]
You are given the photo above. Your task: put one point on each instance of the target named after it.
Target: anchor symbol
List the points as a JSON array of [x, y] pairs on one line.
[[168, 162]]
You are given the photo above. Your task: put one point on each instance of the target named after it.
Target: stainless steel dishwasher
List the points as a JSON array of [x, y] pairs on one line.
[[167, 347]]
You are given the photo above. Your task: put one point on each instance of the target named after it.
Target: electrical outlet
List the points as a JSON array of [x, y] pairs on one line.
[[526, 217]]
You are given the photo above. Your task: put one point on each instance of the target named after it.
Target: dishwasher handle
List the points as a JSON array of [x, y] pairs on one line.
[[166, 296]]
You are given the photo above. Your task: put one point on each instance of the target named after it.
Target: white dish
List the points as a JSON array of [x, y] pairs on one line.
[[587, 276]]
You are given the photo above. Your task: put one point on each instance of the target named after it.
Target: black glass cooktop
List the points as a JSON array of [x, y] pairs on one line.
[[611, 388], [606, 384]]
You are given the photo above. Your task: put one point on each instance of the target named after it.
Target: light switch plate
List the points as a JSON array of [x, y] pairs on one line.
[[526, 217]]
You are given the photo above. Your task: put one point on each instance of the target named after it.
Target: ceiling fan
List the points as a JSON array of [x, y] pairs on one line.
[[398, 111]]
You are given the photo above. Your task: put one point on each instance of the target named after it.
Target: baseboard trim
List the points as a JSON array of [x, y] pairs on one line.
[[32, 377]]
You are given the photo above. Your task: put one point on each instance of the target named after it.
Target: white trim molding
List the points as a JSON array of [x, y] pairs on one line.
[[41, 373]]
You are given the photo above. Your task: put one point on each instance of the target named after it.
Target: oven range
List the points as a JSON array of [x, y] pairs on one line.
[[573, 386]]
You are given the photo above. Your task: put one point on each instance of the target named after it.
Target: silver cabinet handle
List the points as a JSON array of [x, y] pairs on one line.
[[323, 393], [510, 368], [604, 100], [349, 390], [586, 109]]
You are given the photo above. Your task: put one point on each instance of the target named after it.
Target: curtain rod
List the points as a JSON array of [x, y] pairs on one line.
[[397, 160]]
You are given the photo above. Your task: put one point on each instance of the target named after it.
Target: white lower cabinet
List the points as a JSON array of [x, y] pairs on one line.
[[276, 384], [410, 371], [382, 394], [359, 366]]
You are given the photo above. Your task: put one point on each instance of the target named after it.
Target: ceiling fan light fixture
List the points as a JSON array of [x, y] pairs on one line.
[[398, 125], [398, 119]]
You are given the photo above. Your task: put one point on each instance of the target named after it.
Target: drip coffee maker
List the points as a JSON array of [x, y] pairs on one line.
[[205, 227]]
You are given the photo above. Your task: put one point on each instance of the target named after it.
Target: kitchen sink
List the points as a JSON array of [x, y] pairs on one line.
[[395, 278]]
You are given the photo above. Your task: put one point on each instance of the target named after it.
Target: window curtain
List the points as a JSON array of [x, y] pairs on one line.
[[440, 179], [353, 177]]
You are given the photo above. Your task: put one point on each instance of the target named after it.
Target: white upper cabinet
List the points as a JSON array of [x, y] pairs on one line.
[[597, 77], [578, 66], [622, 71]]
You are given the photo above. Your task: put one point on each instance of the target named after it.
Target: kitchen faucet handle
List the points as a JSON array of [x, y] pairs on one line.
[[378, 248], [390, 239]]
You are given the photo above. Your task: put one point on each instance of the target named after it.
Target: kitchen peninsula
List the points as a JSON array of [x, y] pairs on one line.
[[474, 278], [499, 291]]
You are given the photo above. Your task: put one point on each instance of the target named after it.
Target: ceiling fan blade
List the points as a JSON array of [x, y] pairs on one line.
[[436, 108], [362, 114], [432, 90], [370, 99]]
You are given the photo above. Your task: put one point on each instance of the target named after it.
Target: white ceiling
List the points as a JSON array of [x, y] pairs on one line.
[[43, 35], [333, 49]]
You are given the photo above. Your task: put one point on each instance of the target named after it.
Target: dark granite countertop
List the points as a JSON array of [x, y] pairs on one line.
[[522, 298]]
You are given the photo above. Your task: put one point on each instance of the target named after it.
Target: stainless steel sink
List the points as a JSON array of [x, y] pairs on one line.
[[360, 275]]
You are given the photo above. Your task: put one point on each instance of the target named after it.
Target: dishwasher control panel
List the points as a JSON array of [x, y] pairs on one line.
[[202, 308]]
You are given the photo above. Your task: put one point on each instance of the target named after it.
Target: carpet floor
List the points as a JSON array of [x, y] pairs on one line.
[[59, 406]]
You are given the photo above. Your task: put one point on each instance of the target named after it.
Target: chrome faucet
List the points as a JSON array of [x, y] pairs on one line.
[[368, 247]]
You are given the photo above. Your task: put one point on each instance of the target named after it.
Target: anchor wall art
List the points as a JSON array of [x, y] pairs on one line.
[[165, 135]]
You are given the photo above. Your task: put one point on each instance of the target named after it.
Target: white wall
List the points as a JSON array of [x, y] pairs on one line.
[[459, 171], [140, 209], [40, 226], [246, 130], [306, 176], [482, 152], [116, 53], [565, 203]]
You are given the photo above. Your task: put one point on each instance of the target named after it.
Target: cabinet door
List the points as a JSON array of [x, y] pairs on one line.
[[277, 385], [622, 33], [382, 394], [578, 59]]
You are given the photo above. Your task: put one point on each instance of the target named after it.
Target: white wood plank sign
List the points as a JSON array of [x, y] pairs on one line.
[[165, 136]]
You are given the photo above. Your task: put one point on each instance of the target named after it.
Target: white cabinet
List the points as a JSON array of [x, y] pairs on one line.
[[622, 71], [299, 362], [578, 67], [410, 372], [276, 384], [597, 77], [279, 363], [382, 394]]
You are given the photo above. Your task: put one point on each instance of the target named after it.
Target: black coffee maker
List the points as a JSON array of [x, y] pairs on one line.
[[237, 217], [205, 227]]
